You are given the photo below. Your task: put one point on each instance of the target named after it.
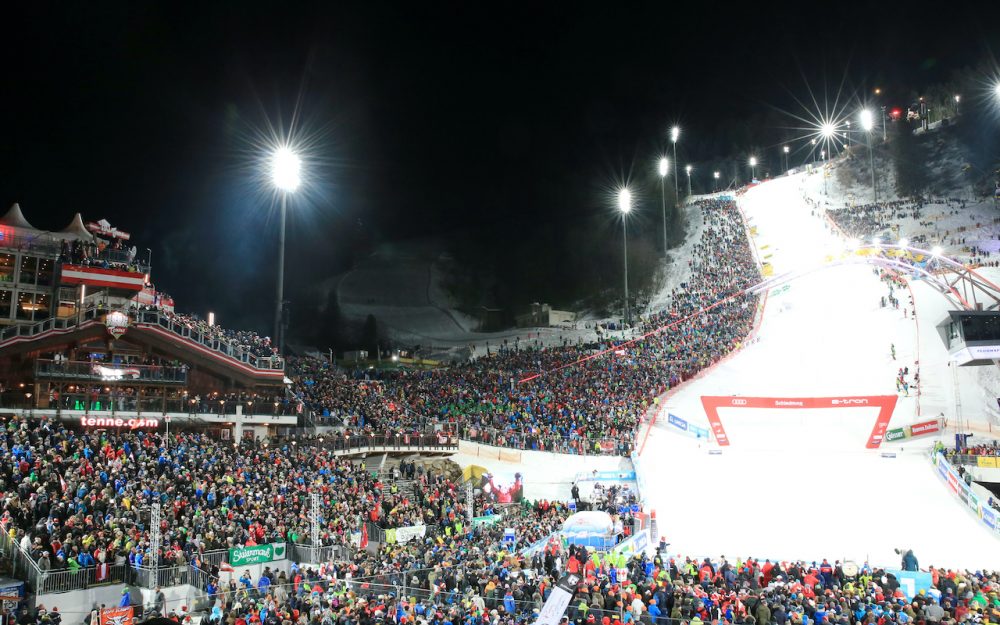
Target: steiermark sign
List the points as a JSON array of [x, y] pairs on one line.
[[257, 554]]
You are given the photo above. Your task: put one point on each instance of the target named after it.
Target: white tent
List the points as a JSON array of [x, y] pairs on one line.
[[75, 231], [15, 219]]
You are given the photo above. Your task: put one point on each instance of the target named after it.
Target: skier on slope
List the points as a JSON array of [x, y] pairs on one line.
[[892, 348]]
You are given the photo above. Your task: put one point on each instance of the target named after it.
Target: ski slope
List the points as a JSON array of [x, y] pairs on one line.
[[798, 483]]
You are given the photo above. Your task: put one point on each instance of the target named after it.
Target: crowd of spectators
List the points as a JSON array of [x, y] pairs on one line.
[[474, 580], [863, 221], [115, 254], [586, 398], [249, 341]]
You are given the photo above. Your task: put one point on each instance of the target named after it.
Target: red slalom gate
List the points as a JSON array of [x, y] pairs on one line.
[[885, 403]]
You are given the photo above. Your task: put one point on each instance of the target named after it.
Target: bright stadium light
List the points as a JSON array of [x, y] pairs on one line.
[[867, 120], [936, 250], [285, 167], [625, 207], [286, 174], [827, 130], [785, 149], [687, 168], [996, 89], [664, 169], [715, 175], [625, 200], [904, 242], [753, 161], [675, 133]]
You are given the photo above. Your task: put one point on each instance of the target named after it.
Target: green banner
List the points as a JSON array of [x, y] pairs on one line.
[[895, 435], [258, 554], [489, 519]]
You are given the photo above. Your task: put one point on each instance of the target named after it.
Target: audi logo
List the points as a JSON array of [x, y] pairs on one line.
[[739, 402]]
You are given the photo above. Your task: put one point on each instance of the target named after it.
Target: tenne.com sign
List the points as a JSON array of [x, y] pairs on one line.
[[112, 422]]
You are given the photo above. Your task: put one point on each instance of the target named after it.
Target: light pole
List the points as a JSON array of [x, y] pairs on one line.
[[868, 123], [664, 168], [785, 150], [753, 168], [675, 134], [715, 175], [958, 101], [688, 168], [285, 166], [625, 206], [822, 158]]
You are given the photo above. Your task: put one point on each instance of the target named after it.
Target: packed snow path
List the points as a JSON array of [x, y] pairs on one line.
[[799, 484]]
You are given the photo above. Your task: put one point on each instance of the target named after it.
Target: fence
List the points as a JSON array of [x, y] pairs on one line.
[[66, 580], [529, 441], [969, 460]]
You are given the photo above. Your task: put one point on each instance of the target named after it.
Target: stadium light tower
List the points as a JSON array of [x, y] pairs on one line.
[[785, 150], [664, 169], [716, 175], [868, 123], [675, 134], [286, 175], [625, 207], [753, 168], [688, 169]]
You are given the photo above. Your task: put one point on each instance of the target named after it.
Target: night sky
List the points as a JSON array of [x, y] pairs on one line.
[[424, 120]]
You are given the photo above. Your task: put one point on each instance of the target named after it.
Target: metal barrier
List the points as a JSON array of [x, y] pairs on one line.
[[529, 441], [22, 565], [973, 460], [67, 580]]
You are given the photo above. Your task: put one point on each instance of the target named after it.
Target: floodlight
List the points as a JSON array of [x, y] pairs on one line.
[[675, 133], [625, 200], [664, 166], [867, 120], [285, 165]]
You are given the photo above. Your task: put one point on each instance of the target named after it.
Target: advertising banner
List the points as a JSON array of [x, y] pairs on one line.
[[912, 582], [555, 606], [406, 534], [886, 404], [677, 422], [117, 616], [688, 428], [635, 544], [987, 462], [895, 434], [925, 427], [257, 554]]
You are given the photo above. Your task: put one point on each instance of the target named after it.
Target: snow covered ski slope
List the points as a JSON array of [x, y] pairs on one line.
[[800, 483]]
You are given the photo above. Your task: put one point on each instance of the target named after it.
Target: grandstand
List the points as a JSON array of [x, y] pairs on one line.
[[160, 464]]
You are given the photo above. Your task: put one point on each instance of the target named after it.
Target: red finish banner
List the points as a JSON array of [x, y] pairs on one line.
[[94, 276], [925, 427], [885, 403]]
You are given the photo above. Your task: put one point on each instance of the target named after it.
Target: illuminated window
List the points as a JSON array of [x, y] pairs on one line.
[[29, 267], [7, 267]]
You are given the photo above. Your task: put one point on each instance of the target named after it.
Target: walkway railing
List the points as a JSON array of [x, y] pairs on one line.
[[150, 318]]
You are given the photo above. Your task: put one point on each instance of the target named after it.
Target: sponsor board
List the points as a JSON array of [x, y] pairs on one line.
[[895, 434], [117, 616], [885, 404], [987, 462], [677, 422], [888, 454], [257, 554], [926, 427], [912, 583]]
